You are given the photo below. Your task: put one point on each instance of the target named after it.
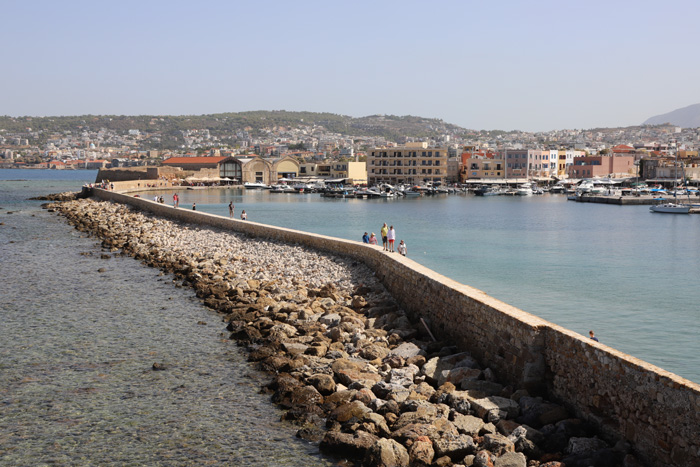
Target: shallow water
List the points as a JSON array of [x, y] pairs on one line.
[[77, 348]]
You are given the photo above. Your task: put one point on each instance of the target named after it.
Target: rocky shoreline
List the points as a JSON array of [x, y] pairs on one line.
[[347, 365]]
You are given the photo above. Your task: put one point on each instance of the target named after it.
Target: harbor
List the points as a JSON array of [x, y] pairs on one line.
[[533, 218]]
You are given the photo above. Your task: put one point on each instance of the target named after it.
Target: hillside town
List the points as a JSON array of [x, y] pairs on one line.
[[267, 154]]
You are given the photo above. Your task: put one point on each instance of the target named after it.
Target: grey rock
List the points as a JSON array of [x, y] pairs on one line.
[[585, 445], [511, 459], [498, 444], [407, 350], [330, 319], [495, 408], [468, 424]]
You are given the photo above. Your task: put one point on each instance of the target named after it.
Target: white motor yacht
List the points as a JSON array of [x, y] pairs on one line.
[[256, 186], [524, 190]]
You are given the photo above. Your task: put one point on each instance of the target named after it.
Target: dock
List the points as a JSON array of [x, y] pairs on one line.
[[626, 200]]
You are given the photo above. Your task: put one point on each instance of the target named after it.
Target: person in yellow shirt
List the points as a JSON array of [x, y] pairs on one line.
[[384, 232]]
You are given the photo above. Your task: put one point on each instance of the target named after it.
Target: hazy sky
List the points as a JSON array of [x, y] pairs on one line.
[[528, 65]]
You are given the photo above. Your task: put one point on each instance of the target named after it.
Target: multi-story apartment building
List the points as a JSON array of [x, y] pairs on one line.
[[414, 163], [482, 165], [541, 163], [516, 162], [565, 158], [601, 166]]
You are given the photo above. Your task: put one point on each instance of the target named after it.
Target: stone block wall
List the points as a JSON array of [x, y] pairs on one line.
[[657, 412]]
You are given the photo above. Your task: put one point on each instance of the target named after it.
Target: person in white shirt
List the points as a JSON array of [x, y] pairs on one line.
[[402, 248]]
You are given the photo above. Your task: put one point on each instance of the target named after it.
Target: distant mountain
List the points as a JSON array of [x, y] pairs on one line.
[[687, 117]]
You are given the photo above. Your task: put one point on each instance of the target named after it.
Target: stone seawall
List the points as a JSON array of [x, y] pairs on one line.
[[657, 412]]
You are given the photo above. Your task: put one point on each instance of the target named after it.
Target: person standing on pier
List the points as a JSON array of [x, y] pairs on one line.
[[244, 216], [391, 236], [230, 209], [384, 232], [365, 238], [402, 248]]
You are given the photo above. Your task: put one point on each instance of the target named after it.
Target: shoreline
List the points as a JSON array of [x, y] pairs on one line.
[[344, 351]]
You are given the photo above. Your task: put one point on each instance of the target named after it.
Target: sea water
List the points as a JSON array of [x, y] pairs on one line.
[[80, 334], [631, 276]]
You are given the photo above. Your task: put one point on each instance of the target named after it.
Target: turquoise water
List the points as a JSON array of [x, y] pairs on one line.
[[629, 275]]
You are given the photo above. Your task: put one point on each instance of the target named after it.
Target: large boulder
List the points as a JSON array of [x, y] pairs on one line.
[[387, 453], [402, 376], [497, 444], [468, 424], [410, 433], [585, 445], [425, 413], [352, 411], [459, 401], [421, 452], [348, 372], [458, 375], [374, 351], [538, 413], [407, 350], [353, 445], [495, 408], [388, 391], [433, 368], [511, 459], [323, 383]]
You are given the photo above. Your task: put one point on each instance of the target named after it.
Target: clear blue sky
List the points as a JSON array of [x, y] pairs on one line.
[[538, 65]]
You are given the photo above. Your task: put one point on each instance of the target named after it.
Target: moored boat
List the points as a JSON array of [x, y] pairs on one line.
[[671, 208], [256, 186]]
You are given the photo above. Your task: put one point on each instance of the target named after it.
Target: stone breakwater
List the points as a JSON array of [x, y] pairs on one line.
[[347, 364]]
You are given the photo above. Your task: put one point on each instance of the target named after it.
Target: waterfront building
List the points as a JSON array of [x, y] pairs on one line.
[[565, 158], [308, 169], [516, 162], [255, 169], [194, 163], [207, 168], [414, 163], [541, 163], [480, 165], [350, 170], [284, 167], [601, 166]]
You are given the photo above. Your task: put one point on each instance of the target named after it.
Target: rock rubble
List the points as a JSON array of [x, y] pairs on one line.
[[347, 365]]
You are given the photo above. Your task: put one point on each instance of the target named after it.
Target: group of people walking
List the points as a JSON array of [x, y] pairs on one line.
[[388, 240]]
